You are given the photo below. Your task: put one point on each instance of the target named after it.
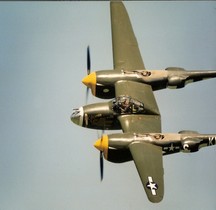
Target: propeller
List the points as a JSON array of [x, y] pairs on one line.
[[87, 94], [88, 61], [88, 70], [101, 165], [101, 156]]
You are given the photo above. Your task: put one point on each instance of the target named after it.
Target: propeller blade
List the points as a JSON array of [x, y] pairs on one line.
[[88, 61], [99, 145], [87, 94], [88, 71], [101, 165]]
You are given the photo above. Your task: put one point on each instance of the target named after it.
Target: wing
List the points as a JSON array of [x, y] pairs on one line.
[[149, 164], [140, 123], [126, 54], [139, 91], [149, 120]]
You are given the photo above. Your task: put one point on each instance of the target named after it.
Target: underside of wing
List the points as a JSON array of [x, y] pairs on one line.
[[126, 54], [149, 164]]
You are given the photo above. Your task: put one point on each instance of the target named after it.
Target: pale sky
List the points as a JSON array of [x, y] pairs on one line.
[[46, 161]]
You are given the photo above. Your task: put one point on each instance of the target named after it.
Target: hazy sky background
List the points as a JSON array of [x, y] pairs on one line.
[[47, 162]]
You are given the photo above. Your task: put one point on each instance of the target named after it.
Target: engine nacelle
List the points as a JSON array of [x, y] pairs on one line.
[[190, 145]]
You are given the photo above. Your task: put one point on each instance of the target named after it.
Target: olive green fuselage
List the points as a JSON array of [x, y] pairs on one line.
[[105, 115]]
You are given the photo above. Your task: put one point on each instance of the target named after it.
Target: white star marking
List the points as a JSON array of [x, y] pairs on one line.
[[152, 185], [171, 148]]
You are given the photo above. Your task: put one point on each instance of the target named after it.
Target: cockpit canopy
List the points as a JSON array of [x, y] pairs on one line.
[[127, 105]]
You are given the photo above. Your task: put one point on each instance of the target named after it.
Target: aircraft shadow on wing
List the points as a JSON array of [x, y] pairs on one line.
[[133, 108]]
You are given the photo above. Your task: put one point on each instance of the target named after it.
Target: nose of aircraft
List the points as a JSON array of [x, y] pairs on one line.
[[90, 81], [77, 116]]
